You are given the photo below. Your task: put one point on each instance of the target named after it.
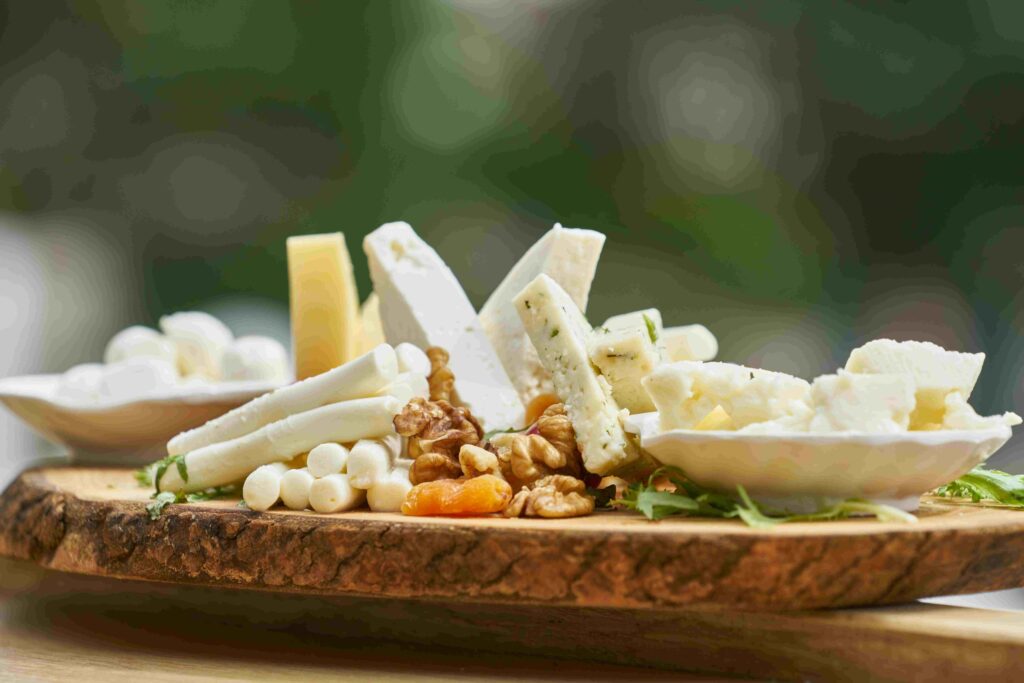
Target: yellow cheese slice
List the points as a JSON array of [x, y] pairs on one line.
[[373, 327], [324, 303]]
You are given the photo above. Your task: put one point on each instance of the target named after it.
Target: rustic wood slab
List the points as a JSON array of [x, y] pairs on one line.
[[93, 521]]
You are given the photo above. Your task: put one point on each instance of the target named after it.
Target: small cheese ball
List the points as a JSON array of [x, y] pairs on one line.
[[200, 340], [82, 382], [137, 378], [139, 342], [255, 359]]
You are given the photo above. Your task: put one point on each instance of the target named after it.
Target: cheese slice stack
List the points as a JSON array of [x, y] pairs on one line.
[[569, 257], [421, 302], [324, 304]]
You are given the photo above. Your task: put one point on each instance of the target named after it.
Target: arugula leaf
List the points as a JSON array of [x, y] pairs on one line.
[[984, 484], [144, 476], [164, 498], [160, 501], [160, 466], [494, 432], [692, 500], [211, 493], [602, 497], [652, 331]]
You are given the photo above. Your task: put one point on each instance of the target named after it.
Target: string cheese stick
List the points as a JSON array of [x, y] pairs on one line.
[[295, 488], [262, 488], [388, 494], [327, 458], [333, 493], [359, 378], [223, 463], [370, 461], [412, 359], [407, 386]]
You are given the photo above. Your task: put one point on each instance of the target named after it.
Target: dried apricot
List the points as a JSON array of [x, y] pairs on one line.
[[538, 405], [481, 495]]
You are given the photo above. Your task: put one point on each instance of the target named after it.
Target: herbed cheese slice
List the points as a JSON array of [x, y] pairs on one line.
[[626, 349], [560, 333], [687, 391], [568, 256], [936, 372], [422, 303], [324, 303]]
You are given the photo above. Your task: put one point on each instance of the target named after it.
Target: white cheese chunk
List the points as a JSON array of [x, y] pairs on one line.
[[688, 342], [935, 371], [960, 415], [625, 349], [140, 342], [569, 257], [422, 303], [849, 402], [560, 333], [685, 392], [255, 358]]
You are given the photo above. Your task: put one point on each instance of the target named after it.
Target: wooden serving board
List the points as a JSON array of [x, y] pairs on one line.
[[93, 521]]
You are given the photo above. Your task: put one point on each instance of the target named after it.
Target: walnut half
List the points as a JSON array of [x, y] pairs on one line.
[[554, 496]]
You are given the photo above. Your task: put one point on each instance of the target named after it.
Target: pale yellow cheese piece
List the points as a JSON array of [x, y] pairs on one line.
[[373, 327], [716, 420], [324, 303]]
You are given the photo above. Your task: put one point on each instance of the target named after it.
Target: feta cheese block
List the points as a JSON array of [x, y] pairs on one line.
[[324, 303], [959, 414], [688, 342], [569, 257], [422, 303], [560, 335], [686, 392], [625, 349], [848, 402], [935, 371]]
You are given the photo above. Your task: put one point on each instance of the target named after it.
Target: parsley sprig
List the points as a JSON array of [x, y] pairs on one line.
[[164, 498], [689, 499]]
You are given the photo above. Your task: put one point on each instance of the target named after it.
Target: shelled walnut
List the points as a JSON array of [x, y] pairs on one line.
[[441, 379], [551, 497], [436, 430]]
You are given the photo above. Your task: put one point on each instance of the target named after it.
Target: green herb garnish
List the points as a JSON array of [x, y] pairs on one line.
[[982, 484], [554, 333], [160, 466], [652, 331], [691, 500], [494, 432], [164, 498], [144, 476], [160, 501]]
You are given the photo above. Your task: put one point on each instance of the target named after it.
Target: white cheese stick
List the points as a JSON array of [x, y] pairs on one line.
[[388, 494], [223, 463], [421, 302], [412, 358], [371, 460], [262, 488], [295, 488], [327, 458], [569, 257], [334, 493], [406, 387], [359, 378], [560, 334]]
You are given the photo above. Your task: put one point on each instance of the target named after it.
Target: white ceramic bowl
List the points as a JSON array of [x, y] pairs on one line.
[[805, 472], [120, 432]]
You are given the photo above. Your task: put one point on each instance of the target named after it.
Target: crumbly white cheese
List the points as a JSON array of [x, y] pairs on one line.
[[626, 349], [960, 415], [569, 257], [560, 333], [687, 391], [422, 303], [688, 342], [849, 402], [935, 372]]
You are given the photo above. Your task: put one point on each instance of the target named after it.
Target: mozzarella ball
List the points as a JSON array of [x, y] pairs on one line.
[[255, 359], [326, 459], [262, 488], [139, 342], [412, 359], [82, 382], [200, 340], [334, 493], [137, 378], [295, 488]]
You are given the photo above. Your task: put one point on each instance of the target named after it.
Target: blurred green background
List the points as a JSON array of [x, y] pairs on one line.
[[798, 176]]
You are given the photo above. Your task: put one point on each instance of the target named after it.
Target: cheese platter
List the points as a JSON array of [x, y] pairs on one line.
[[523, 454]]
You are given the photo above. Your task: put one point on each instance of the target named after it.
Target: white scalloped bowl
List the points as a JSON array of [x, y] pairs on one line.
[[806, 472], [119, 432]]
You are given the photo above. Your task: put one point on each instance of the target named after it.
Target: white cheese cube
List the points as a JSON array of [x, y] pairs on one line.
[[935, 371], [625, 349], [960, 415], [688, 342], [200, 340], [687, 391], [422, 303], [569, 257], [560, 335], [849, 402]]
